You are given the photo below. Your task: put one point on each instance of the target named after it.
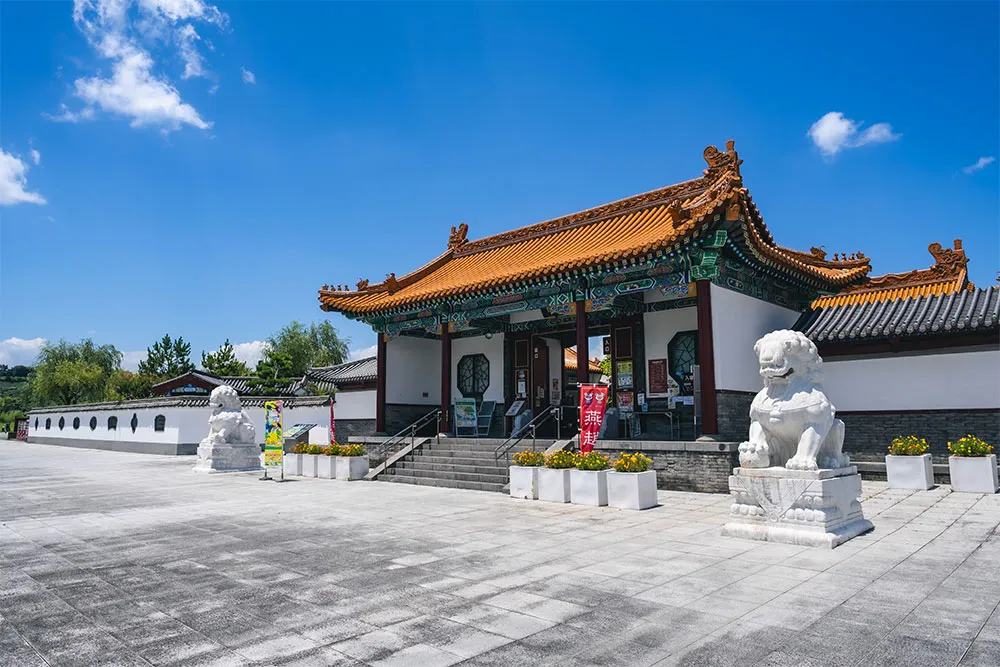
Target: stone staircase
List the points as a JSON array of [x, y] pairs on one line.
[[457, 463]]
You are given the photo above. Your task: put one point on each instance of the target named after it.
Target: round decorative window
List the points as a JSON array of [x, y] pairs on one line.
[[93, 423], [48, 423], [112, 423], [473, 375], [62, 423], [36, 423], [135, 422], [76, 422]]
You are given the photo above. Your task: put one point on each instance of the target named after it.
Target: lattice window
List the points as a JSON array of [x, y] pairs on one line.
[[93, 423], [76, 423], [112, 423], [473, 375], [135, 422], [682, 353], [159, 423]]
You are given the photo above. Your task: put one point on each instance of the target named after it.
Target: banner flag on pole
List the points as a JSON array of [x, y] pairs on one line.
[[273, 445], [593, 401], [333, 425]]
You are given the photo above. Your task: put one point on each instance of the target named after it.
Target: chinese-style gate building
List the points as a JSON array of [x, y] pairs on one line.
[[681, 282]]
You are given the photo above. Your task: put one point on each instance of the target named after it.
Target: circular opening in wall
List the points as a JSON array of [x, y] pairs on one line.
[[135, 422], [76, 422], [62, 423], [93, 423]]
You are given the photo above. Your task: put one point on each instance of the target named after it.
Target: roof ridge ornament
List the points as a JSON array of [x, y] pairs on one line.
[[458, 237], [720, 163]]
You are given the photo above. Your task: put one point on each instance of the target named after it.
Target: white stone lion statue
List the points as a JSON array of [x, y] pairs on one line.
[[229, 423], [792, 422]]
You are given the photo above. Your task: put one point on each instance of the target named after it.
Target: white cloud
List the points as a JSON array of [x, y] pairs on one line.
[[833, 133], [124, 32], [250, 353], [248, 76], [980, 164], [13, 181], [130, 360], [362, 353], [20, 351], [36, 157]]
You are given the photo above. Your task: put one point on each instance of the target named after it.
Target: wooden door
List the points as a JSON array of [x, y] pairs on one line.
[[539, 374]]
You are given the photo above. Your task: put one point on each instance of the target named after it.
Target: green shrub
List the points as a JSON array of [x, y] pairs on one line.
[[560, 460], [970, 445], [314, 450], [593, 461], [907, 445], [527, 458], [634, 462]]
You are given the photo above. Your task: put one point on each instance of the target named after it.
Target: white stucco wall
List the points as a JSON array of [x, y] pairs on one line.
[[184, 425], [928, 381], [527, 316], [355, 404], [413, 371], [493, 349], [659, 327], [738, 321]]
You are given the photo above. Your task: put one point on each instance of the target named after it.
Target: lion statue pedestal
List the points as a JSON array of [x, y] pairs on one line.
[[794, 483], [230, 445]]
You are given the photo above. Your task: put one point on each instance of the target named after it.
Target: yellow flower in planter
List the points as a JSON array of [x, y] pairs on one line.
[[528, 458], [634, 462], [970, 445], [560, 460], [907, 445], [593, 461]]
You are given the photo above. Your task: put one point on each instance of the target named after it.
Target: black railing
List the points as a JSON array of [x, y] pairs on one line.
[[531, 428], [398, 441]]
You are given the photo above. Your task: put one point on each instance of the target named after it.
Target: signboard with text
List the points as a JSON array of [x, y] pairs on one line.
[[593, 402], [272, 433]]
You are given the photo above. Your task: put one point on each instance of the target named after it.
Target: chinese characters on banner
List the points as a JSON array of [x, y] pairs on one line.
[[272, 433], [593, 401], [333, 426]]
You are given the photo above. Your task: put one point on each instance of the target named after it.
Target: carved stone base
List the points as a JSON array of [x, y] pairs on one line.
[[816, 508], [213, 458]]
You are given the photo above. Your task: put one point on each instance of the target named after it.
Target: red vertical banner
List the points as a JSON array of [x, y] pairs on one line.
[[593, 401], [333, 425]]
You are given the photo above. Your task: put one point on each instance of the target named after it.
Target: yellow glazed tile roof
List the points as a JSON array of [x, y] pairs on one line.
[[631, 228]]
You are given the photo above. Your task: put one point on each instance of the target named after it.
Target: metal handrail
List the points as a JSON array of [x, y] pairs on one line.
[[517, 436], [410, 431]]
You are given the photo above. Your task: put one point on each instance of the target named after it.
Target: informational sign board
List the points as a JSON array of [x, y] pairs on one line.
[[555, 396], [514, 409], [658, 375], [625, 401], [333, 424], [606, 343], [624, 371], [272, 433], [593, 403], [465, 413], [296, 431], [522, 382]]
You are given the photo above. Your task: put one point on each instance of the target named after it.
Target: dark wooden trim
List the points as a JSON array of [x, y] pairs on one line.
[[706, 359], [582, 344], [380, 364], [908, 344], [165, 387], [366, 385], [921, 412], [445, 378]]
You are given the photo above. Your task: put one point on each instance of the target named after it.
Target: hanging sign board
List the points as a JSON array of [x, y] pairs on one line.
[[593, 402], [272, 433]]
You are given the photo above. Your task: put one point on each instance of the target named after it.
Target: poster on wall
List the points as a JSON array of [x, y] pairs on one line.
[[465, 413], [333, 424], [593, 401], [625, 402], [658, 376], [624, 372], [555, 396], [272, 433], [522, 382]]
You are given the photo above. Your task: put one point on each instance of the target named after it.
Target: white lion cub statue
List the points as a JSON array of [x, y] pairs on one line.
[[792, 422], [229, 423]]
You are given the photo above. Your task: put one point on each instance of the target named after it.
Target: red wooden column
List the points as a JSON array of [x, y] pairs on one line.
[[582, 345], [706, 360], [380, 385], [445, 378]]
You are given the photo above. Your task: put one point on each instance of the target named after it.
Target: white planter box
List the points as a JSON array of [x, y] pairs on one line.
[[553, 484], [632, 490], [524, 482], [588, 487], [292, 464], [326, 467], [909, 472], [974, 474], [310, 465], [351, 467]]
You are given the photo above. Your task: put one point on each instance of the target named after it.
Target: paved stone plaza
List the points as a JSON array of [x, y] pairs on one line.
[[128, 559]]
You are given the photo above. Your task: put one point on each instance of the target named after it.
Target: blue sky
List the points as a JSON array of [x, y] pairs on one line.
[[201, 170]]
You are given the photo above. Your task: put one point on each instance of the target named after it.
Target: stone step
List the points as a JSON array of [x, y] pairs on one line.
[[444, 461], [417, 464], [445, 483], [494, 478], [469, 456]]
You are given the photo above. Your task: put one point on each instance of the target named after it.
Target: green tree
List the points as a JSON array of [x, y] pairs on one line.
[[167, 358], [224, 361], [123, 386], [606, 365], [274, 372], [73, 372], [315, 345]]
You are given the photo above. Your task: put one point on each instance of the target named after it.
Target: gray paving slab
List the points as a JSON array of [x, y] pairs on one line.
[[111, 558]]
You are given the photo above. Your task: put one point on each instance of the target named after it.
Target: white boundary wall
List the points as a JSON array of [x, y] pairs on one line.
[[927, 381], [739, 321], [355, 404]]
